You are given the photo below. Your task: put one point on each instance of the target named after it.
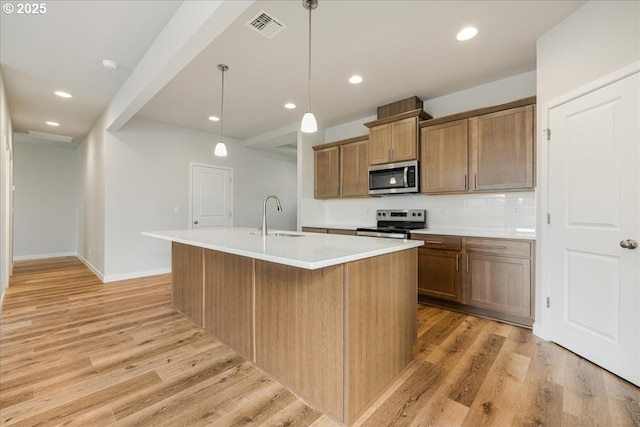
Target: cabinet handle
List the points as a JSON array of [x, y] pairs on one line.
[[467, 263], [457, 262], [433, 242], [465, 182], [475, 180]]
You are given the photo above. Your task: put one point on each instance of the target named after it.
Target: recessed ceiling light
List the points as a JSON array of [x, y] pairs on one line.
[[355, 79], [289, 105], [62, 94], [214, 118], [53, 123], [467, 34], [109, 64]]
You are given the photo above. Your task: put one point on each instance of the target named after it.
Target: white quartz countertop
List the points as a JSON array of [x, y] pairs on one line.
[[303, 250], [470, 232]]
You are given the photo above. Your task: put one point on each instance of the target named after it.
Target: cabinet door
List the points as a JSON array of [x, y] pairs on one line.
[[380, 144], [443, 158], [327, 173], [499, 283], [502, 152], [404, 140], [439, 274], [354, 164]]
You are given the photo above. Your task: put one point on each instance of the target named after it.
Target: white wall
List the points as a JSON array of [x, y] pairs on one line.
[[91, 199], [501, 211], [6, 195], [147, 176], [44, 200], [596, 40]]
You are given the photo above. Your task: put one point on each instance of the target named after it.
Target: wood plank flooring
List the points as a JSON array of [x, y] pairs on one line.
[[76, 352]]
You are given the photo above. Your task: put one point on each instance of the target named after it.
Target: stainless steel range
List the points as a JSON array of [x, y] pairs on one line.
[[396, 223]]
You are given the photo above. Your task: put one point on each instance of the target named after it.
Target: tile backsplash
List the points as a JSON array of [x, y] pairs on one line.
[[493, 212]]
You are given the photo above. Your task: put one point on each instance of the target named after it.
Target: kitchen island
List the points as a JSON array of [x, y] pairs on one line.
[[332, 317]]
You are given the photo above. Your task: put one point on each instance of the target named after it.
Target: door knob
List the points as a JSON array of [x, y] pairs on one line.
[[196, 221], [628, 244]]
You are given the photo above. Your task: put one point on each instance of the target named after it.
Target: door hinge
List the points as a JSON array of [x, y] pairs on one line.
[[548, 132], [548, 302], [548, 218]]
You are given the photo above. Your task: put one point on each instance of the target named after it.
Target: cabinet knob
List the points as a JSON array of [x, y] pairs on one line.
[[195, 222]]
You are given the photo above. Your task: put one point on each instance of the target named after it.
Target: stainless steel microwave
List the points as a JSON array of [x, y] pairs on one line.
[[394, 178]]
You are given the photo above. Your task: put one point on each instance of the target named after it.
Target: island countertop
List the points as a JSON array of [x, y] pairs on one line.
[[304, 250]]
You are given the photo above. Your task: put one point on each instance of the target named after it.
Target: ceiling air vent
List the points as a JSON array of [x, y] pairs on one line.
[[49, 136], [266, 24]]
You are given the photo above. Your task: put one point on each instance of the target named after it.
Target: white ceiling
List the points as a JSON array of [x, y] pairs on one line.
[[401, 48]]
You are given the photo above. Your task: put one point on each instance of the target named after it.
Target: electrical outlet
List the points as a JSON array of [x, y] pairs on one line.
[[516, 210], [176, 210]]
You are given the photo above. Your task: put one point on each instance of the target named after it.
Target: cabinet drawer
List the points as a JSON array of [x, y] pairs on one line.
[[439, 242], [498, 246]]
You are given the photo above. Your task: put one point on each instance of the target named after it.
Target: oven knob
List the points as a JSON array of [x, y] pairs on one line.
[[414, 214]]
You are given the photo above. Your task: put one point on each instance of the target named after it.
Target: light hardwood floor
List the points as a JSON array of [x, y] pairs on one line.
[[76, 352]]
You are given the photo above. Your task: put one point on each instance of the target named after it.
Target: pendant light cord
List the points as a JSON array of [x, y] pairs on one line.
[[309, 76], [223, 69]]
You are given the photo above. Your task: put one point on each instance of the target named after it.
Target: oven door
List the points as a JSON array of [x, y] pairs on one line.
[[394, 178]]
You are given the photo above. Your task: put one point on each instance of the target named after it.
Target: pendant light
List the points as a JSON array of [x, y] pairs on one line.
[[221, 149], [309, 124]]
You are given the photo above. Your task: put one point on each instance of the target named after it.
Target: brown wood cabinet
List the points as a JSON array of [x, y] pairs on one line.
[[439, 271], [329, 231], [498, 275], [354, 169], [395, 138], [394, 142], [490, 149], [327, 172], [444, 158], [188, 288], [483, 276], [228, 292], [501, 149], [341, 169]]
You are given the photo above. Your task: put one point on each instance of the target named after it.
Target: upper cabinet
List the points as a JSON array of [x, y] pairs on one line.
[[395, 138], [341, 169], [491, 149], [444, 157], [501, 149], [326, 172], [354, 166]]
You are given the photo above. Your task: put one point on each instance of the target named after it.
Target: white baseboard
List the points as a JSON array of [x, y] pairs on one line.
[[136, 275], [91, 267], [42, 256]]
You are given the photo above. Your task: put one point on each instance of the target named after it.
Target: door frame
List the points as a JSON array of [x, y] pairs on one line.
[[190, 204], [542, 324]]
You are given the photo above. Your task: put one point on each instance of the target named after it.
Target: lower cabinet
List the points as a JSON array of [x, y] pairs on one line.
[[329, 231], [487, 277], [439, 272]]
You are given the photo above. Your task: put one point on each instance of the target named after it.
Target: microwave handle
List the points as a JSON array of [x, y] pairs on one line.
[[406, 179]]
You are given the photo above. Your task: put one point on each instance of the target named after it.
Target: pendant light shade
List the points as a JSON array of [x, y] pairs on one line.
[[221, 149], [309, 124]]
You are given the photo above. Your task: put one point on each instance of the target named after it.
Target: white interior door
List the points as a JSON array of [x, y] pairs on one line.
[[594, 206], [211, 197]]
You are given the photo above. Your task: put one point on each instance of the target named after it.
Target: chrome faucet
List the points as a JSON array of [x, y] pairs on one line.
[[263, 230]]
